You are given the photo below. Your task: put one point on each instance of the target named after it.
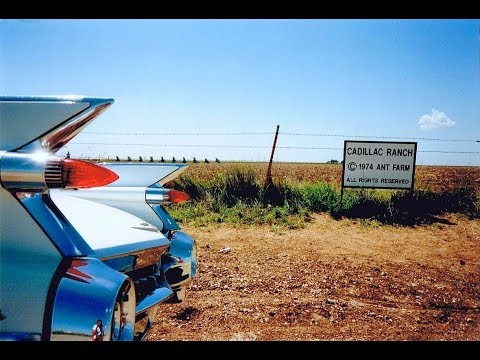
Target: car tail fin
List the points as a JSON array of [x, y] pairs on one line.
[[32, 129], [43, 122], [144, 174], [139, 191]]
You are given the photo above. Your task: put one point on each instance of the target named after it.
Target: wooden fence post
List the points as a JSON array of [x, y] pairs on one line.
[[268, 180]]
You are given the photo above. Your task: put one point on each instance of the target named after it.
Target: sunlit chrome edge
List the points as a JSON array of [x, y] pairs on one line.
[[28, 171], [150, 248], [180, 264]]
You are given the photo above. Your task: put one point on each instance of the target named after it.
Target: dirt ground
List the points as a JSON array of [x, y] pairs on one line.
[[333, 280]]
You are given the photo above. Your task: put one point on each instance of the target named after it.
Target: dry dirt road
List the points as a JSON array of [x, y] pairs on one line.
[[332, 280]]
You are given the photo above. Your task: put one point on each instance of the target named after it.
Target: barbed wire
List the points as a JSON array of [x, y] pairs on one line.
[[255, 146], [383, 137], [272, 133], [178, 134]]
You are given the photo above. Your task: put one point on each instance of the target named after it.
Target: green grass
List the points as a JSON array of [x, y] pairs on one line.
[[237, 197], [201, 214]]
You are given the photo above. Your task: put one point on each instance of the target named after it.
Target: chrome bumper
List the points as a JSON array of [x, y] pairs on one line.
[[180, 265], [89, 291]]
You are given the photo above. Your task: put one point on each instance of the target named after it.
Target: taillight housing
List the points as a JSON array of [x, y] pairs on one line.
[[40, 171], [78, 174], [176, 196], [164, 195]]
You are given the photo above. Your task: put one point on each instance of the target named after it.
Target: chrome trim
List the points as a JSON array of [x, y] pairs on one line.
[[144, 253], [30, 171], [53, 173], [58, 138], [24, 171], [180, 264], [51, 98], [123, 327], [155, 195], [123, 264], [184, 247], [144, 323], [158, 296], [90, 290], [178, 275], [55, 225]]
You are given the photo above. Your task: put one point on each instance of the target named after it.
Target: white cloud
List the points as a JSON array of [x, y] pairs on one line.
[[436, 119]]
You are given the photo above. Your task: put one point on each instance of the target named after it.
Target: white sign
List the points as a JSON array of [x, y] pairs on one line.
[[379, 164]]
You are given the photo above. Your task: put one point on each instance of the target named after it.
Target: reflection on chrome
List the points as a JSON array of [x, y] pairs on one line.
[[144, 323], [151, 288], [133, 256], [90, 290], [62, 135], [180, 264], [124, 314]]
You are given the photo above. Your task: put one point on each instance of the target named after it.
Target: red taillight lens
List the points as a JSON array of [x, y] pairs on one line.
[[177, 196], [34, 172], [81, 174]]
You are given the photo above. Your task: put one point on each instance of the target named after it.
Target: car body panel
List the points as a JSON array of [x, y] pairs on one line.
[[156, 174], [28, 263], [128, 199], [99, 226]]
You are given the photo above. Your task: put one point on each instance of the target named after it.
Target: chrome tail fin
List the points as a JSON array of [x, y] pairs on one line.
[[45, 122], [139, 191]]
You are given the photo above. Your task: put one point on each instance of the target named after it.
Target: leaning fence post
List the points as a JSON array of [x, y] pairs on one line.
[[268, 180]]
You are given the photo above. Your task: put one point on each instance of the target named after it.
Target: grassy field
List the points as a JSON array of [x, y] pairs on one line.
[[235, 193], [427, 177]]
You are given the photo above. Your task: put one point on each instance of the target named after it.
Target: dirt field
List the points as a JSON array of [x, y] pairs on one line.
[[333, 280]]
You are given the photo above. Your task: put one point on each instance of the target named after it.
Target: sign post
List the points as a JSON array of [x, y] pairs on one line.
[[378, 165]]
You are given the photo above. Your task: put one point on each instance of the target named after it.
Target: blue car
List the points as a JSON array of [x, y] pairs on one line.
[[88, 251]]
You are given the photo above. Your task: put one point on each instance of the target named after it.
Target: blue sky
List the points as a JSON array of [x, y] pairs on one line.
[[373, 78]]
